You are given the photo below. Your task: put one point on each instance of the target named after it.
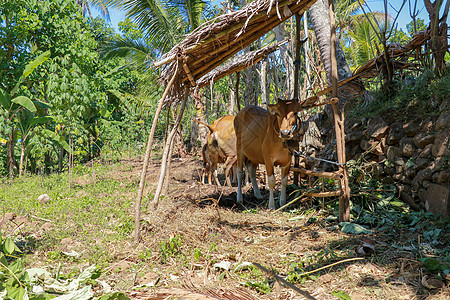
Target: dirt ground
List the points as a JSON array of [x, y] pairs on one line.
[[206, 215], [198, 244]]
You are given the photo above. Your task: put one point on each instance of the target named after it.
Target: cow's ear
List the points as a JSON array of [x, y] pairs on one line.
[[298, 106], [272, 108]]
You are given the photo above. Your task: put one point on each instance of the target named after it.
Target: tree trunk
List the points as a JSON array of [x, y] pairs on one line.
[[264, 87], [250, 98], [22, 157], [200, 112], [320, 21], [232, 95], [287, 90], [238, 101], [10, 157], [438, 27]]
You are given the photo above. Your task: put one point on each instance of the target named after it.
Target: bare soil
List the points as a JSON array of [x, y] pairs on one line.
[[206, 227]]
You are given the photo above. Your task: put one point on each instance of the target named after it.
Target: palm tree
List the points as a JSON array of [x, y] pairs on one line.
[[86, 5], [320, 21], [361, 43]]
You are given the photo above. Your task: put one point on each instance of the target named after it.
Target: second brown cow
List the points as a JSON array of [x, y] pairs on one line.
[[221, 146]]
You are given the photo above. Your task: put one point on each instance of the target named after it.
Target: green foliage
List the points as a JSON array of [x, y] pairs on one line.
[[170, 248], [419, 26], [70, 81], [341, 295]]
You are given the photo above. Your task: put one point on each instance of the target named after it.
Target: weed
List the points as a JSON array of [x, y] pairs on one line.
[[170, 248]]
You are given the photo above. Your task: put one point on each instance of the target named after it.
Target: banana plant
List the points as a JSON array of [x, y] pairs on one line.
[[20, 114]]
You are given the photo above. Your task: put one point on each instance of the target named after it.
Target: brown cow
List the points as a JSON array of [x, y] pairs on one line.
[[261, 136], [210, 160], [221, 146]]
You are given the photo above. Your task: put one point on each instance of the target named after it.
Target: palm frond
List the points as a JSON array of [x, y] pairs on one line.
[[137, 51]]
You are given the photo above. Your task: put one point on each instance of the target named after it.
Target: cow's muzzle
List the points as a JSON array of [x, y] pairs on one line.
[[288, 134]]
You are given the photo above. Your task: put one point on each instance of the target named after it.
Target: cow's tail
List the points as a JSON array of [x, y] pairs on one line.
[[207, 125]]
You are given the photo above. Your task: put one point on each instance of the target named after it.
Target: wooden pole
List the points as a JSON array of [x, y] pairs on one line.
[[238, 78], [296, 71], [137, 213], [344, 198], [167, 148]]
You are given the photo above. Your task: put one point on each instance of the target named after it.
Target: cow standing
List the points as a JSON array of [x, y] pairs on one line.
[[261, 137], [221, 146]]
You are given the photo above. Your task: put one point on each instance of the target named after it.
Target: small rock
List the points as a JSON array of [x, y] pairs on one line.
[[421, 163], [67, 241], [407, 147], [411, 128], [400, 161], [380, 132], [395, 133], [443, 121], [392, 152], [10, 216], [423, 139], [436, 199], [354, 137], [422, 175], [443, 177], [44, 199], [441, 144], [410, 172], [426, 152], [374, 123], [399, 177], [427, 125]]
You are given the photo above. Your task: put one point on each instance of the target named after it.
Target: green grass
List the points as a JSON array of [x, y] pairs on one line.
[[418, 94], [91, 211]]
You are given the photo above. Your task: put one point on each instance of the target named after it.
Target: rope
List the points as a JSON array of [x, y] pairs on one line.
[[299, 153]]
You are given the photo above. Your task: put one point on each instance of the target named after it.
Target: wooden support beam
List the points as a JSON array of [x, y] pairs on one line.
[[296, 71], [324, 194], [344, 199], [333, 175], [167, 147], [188, 72], [137, 215]]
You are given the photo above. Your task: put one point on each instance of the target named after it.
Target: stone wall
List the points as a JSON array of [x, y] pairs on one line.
[[413, 155]]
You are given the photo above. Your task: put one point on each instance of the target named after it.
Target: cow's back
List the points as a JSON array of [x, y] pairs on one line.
[[251, 125], [225, 135]]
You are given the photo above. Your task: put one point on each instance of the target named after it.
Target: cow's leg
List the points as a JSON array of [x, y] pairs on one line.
[[271, 184], [214, 172], [228, 165], [284, 180], [239, 166], [251, 168], [202, 180]]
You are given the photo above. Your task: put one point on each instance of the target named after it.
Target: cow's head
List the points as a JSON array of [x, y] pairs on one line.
[[287, 120]]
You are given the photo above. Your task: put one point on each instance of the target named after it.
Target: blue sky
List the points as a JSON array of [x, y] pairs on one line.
[[375, 5]]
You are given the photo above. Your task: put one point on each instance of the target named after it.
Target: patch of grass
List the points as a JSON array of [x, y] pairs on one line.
[[93, 212], [420, 93]]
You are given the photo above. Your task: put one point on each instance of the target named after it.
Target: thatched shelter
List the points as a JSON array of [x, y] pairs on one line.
[[221, 38]]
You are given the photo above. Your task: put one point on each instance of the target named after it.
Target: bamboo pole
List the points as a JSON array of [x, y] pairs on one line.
[[137, 213], [167, 148], [344, 199], [296, 71], [333, 175]]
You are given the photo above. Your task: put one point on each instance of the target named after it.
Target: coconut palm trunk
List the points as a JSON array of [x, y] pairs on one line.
[[320, 21]]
